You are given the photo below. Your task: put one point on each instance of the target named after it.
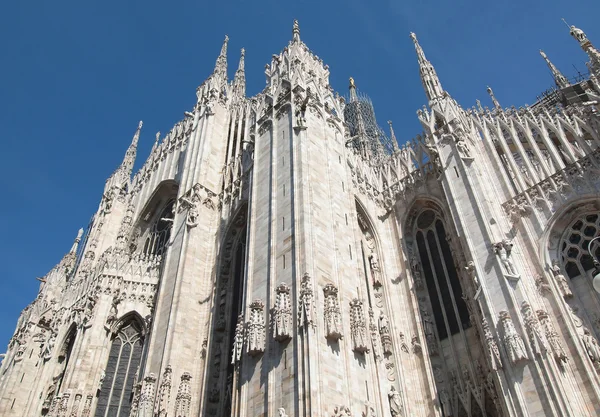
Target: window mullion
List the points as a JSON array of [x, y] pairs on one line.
[[126, 377], [448, 283], [112, 384], [435, 280]]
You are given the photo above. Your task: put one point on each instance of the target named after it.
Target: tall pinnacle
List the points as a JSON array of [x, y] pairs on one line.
[[221, 64], [239, 81], [493, 97], [431, 83], [393, 137], [559, 79], [296, 32], [129, 159]]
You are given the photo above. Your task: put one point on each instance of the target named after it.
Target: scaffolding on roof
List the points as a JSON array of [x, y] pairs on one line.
[[365, 133]]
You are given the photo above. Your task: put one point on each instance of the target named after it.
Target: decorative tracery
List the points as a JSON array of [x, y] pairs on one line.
[[121, 371], [574, 254]]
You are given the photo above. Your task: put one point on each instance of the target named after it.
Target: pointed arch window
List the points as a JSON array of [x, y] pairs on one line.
[[441, 277], [157, 239], [124, 359]]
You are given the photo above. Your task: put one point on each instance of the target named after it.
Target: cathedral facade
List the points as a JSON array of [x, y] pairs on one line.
[[280, 255]]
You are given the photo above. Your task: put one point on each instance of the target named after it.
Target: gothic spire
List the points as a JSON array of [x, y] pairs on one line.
[[296, 32], [493, 97], [129, 159], [221, 64], [393, 137], [559, 79], [431, 83], [239, 81]]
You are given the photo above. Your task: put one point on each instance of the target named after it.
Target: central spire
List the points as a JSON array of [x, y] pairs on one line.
[[559, 79], [431, 83]]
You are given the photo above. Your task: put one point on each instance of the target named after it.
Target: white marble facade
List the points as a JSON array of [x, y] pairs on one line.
[[274, 257]]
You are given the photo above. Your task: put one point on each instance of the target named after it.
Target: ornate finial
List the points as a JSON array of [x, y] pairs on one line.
[[140, 124], [559, 79], [493, 97], [296, 32], [157, 137], [352, 85]]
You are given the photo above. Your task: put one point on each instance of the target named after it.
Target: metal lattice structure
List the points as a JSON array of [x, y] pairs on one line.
[[365, 133]]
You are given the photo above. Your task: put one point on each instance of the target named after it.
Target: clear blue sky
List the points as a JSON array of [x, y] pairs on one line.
[[77, 76]]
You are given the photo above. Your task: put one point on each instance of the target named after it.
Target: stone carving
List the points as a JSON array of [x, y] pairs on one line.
[[396, 403], [369, 411], [87, 406], [384, 331], [561, 281], [428, 328], [192, 199], [281, 412], [76, 405], [341, 411], [592, 347], [445, 403], [332, 314], [238, 341], [374, 330], [113, 312], [301, 105], [88, 314], [146, 407], [492, 348], [48, 346], [358, 328], [416, 271], [101, 379], [513, 343], [537, 341], [416, 345], [504, 250], [552, 337], [470, 268], [184, 396], [256, 328], [306, 303], [375, 271], [164, 393], [282, 314], [63, 405], [463, 147]]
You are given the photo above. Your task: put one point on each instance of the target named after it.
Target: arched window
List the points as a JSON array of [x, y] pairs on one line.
[[574, 245], [123, 362], [441, 278], [159, 235]]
